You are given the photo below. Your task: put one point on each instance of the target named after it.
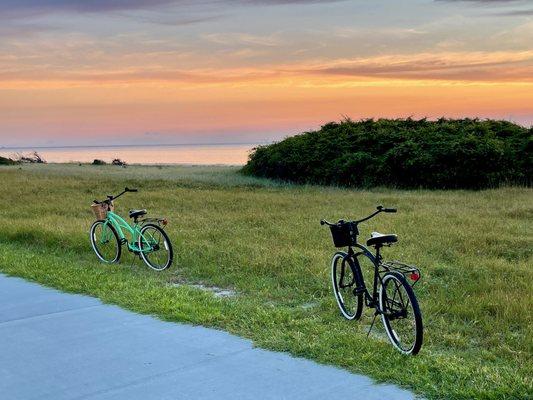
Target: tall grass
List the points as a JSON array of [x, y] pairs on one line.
[[264, 241]]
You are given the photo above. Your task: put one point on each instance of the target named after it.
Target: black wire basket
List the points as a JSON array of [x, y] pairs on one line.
[[344, 234]]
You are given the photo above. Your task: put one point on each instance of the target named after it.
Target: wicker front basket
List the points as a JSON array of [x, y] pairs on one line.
[[100, 210]]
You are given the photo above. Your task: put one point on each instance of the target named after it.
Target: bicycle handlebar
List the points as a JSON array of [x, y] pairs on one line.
[[110, 198], [379, 209], [387, 210]]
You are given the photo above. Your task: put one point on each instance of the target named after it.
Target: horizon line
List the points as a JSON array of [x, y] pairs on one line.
[[130, 145]]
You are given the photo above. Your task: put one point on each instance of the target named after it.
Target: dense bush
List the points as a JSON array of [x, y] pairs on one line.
[[119, 162], [406, 153], [7, 161]]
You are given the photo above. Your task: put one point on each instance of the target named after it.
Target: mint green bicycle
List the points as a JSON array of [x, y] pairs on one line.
[[147, 238]]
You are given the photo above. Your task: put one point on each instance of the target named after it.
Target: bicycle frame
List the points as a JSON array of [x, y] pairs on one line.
[[133, 230], [380, 267], [371, 298]]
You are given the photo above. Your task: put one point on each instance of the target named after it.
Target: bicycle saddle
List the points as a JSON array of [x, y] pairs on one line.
[[137, 213], [377, 239]]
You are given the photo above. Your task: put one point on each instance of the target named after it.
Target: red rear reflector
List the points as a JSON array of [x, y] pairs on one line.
[[164, 221], [414, 276]]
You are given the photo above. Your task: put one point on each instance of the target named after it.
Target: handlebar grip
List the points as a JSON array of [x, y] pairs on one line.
[[390, 210], [130, 190], [96, 202]]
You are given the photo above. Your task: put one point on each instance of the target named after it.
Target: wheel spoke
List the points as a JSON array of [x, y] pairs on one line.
[[157, 257], [105, 243], [343, 285], [399, 316], [345, 282]]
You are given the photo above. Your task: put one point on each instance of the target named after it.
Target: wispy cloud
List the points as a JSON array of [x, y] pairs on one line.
[[29, 7], [473, 66], [515, 13], [15, 30], [502, 8], [239, 38], [499, 4], [483, 1], [22, 8], [171, 20], [452, 67]]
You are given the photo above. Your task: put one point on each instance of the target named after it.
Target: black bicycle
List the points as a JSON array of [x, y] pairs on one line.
[[392, 295]]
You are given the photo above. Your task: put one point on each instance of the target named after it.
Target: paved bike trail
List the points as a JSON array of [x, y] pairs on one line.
[[58, 346]]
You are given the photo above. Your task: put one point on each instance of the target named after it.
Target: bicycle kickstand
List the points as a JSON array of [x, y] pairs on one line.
[[133, 259], [372, 324]]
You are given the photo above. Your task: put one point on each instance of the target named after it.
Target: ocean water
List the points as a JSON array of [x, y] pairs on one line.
[[222, 154]]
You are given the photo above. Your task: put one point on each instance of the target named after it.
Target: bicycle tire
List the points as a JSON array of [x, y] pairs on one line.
[[393, 307], [101, 256], [166, 244], [354, 311]]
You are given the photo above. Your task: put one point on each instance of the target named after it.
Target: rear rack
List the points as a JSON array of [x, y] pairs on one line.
[[410, 272], [159, 221]]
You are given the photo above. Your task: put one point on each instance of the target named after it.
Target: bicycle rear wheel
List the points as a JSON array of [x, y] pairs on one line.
[[156, 249], [345, 281], [105, 242], [400, 313]]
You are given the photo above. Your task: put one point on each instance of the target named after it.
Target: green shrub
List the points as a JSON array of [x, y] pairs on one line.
[[7, 161], [119, 162], [404, 153]]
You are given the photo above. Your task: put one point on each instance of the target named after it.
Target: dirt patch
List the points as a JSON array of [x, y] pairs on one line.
[[217, 291]]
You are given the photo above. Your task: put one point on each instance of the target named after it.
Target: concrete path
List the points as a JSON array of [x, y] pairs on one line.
[[61, 346]]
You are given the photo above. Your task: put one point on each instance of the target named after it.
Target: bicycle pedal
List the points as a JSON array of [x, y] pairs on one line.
[[370, 303], [358, 290]]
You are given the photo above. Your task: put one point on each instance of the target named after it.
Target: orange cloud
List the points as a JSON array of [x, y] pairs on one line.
[[451, 67]]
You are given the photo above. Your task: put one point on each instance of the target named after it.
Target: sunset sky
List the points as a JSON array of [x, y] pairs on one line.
[[162, 71]]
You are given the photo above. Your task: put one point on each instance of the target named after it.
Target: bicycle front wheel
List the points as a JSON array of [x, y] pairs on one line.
[[400, 313], [155, 247], [345, 279], [105, 242]]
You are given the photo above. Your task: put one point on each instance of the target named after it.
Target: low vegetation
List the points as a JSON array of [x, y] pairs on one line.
[[262, 239], [402, 153], [19, 158], [119, 162], [7, 161], [31, 158]]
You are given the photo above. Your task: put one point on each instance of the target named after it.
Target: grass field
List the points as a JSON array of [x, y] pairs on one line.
[[263, 240]]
